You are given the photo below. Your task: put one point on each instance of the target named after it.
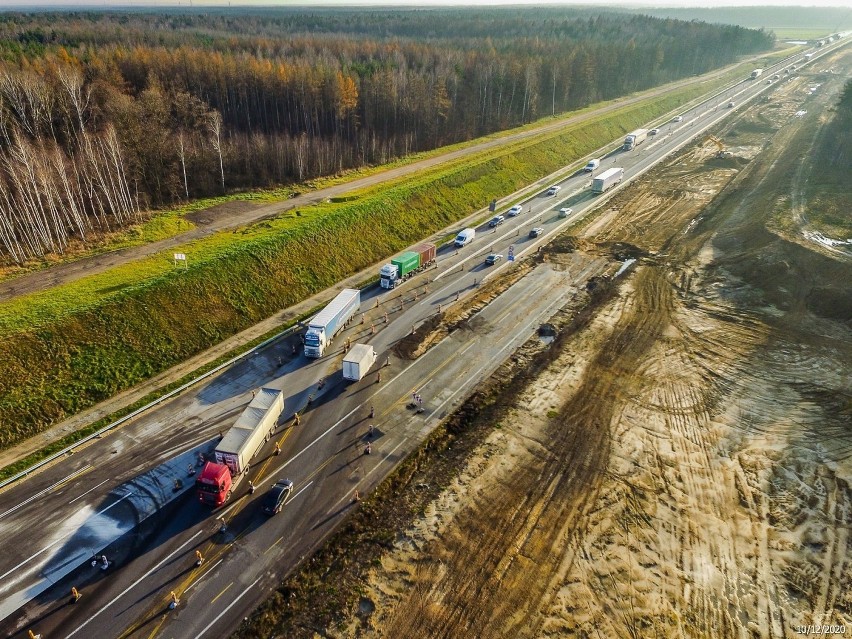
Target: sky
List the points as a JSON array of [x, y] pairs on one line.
[[418, 3]]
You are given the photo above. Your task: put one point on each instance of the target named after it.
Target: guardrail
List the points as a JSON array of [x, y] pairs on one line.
[[24, 473]]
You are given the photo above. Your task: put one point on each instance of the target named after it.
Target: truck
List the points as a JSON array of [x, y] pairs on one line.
[[404, 266], [607, 179], [756, 73], [330, 321], [358, 361], [807, 57], [635, 138], [233, 455]]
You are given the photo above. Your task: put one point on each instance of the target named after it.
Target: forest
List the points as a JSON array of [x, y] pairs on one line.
[[104, 115]]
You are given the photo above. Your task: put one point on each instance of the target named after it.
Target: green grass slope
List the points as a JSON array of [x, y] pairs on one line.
[[68, 348]]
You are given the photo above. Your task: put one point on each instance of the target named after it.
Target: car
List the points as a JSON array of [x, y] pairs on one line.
[[493, 258], [769, 82], [776, 76], [653, 132], [277, 496], [678, 118], [515, 210], [730, 105], [592, 165], [565, 212], [553, 190], [536, 231], [497, 220]]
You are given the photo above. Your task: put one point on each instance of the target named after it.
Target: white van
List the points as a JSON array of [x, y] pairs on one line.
[[592, 165], [465, 237]]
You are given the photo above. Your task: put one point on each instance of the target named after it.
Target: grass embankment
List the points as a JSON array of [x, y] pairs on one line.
[[65, 349]]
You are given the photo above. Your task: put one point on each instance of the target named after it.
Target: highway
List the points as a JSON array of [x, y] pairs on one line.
[[106, 498]]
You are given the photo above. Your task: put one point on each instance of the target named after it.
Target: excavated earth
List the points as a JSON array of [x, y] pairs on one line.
[[680, 465]]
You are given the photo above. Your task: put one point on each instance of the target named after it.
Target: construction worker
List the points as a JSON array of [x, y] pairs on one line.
[[368, 449], [251, 487], [223, 526], [356, 496], [199, 559], [174, 600], [296, 419], [75, 595], [277, 448]]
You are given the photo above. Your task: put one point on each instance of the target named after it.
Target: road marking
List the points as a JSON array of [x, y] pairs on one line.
[[134, 584], [346, 496], [66, 535], [481, 368], [230, 605], [88, 491], [275, 543], [201, 578], [221, 593], [300, 492], [46, 490]]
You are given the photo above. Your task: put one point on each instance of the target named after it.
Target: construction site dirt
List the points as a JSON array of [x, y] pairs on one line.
[[674, 463]]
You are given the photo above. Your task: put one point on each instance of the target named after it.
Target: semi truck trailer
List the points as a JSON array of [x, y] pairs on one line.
[[233, 454], [607, 179], [401, 268], [330, 321], [635, 138], [358, 361]]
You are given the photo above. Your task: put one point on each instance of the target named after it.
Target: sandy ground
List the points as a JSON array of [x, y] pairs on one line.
[[682, 468]]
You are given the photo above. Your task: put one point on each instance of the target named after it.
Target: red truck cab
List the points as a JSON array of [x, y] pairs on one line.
[[214, 484]]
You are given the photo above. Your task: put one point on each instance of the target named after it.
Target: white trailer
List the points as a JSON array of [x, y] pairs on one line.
[[635, 138], [607, 179], [253, 427], [358, 361], [330, 321]]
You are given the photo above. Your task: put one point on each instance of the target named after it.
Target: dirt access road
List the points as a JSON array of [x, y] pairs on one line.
[[682, 468], [234, 214]]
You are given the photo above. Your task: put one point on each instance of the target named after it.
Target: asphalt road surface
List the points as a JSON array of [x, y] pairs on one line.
[[129, 496]]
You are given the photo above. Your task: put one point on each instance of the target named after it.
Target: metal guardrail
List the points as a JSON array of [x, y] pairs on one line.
[[24, 473]]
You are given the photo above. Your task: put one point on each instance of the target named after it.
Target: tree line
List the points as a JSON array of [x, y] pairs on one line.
[[103, 115]]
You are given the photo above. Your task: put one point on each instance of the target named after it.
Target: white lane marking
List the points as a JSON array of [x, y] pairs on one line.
[[200, 579], [88, 491], [462, 386], [135, 583], [345, 417], [65, 536], [227, 608], [301, 491], [346, 496], [46, 490]]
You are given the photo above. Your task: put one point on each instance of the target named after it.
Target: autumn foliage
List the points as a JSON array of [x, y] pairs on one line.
[[103, 115]]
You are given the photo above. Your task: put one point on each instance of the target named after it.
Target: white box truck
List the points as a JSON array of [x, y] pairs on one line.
[[607, 179], [756, 73], [330, 321], [358, 361], [240, 444], [635, 138]]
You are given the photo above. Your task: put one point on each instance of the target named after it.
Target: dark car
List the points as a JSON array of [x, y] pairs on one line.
[[493, 258], [497, 220], [536, 231], [277, 496]]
